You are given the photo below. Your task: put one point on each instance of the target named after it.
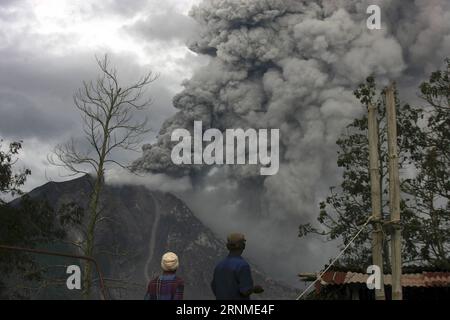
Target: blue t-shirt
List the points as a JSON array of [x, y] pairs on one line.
[[232, 276]]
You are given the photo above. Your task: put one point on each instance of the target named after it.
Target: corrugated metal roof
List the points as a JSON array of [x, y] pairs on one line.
[[424, 279]]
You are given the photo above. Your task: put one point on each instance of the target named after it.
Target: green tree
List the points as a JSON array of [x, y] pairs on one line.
[[25, 223], [10, 181], [429, 189], [424, 160], [349, 205]]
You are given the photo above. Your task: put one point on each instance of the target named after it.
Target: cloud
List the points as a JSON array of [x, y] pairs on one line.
[[160, 182], [126, 8], [290, 65], [22, 119], [169, 26], [283, 64], [47, 48]]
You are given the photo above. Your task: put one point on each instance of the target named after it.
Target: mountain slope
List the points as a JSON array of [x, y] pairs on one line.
[[141, 225]]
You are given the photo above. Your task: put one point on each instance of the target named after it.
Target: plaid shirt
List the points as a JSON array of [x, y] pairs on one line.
[[165, 287]]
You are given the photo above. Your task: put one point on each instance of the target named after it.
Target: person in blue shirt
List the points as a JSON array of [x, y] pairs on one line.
[[232, 278]]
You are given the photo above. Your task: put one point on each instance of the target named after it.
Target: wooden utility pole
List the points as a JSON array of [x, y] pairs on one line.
[[394, 195], [375, 189]]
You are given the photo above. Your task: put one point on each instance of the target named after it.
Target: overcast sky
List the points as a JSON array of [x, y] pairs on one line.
[[48, 47]]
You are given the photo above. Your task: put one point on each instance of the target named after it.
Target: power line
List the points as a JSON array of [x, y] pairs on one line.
[[335, 259]]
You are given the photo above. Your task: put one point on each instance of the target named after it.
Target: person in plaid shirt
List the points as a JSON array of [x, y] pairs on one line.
[[167, 286]]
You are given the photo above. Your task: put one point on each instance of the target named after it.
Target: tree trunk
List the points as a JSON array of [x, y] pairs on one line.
[[90, 234], [93, 214]]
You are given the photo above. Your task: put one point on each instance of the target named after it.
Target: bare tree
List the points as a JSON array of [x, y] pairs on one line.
[[109, 113]]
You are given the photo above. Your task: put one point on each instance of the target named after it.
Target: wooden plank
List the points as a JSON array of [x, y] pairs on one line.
[[394, 194], [375, 189]]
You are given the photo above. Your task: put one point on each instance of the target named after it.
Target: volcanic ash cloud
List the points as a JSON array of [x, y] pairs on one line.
[[288, 65]]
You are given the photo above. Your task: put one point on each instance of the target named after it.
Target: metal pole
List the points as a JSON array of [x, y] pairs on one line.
[[394, 195], [375, 189], [52, 253]]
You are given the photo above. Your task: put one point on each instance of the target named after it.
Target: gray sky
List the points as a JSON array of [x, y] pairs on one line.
[[48, 47]]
